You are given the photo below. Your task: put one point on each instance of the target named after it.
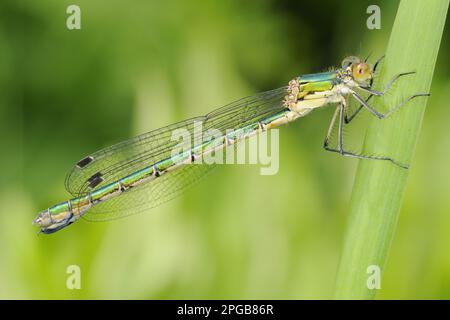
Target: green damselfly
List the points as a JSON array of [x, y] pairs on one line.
[[143, 172]]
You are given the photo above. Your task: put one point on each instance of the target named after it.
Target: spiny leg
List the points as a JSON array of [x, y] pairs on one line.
[[330, 128], [375, 66], [375, 93], [388, 113], [340, 149], [368, 89], [387, 86], [348, 119]]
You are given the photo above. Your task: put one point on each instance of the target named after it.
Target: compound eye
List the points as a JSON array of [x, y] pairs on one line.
[[362, 72]]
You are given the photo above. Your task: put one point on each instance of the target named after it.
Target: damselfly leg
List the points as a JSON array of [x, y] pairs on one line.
[[368, 89], [388, 113], [340, 148], [344, 118]]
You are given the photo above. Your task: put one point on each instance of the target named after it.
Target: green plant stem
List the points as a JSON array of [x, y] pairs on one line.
[[379, 186]]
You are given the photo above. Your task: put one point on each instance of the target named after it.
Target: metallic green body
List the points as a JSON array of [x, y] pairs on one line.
[[294, 105], [317, 77]]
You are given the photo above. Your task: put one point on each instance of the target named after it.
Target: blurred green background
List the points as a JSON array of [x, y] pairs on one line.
[[138, 65]]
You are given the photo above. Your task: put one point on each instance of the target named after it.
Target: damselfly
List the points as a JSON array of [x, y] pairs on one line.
[[144, 172]]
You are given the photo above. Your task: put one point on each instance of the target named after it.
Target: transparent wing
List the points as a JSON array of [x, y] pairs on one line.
[[149, 195], [115, 162]]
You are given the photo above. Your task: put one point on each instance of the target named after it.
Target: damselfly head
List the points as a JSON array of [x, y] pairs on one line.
[[362, 72], [358, 69]]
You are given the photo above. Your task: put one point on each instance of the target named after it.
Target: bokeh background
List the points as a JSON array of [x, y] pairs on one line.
[[138, 65]]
